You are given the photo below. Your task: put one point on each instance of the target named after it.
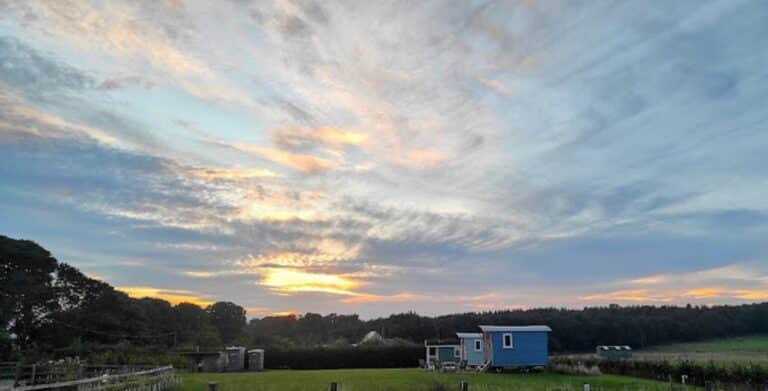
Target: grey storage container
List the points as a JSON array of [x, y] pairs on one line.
[[256, 360]]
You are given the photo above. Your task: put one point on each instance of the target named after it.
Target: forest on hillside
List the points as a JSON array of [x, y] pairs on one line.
[[49, 308]]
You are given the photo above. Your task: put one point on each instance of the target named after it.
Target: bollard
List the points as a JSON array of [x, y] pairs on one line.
[[333, 387], [464, 386], [586, 386], [212, 386]]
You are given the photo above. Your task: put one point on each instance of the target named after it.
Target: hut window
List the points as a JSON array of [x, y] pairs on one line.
[[456, 352], [507, 339], [478, 346], [432, 351]]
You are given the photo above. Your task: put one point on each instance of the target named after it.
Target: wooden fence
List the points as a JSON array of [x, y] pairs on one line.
[[113, 379]]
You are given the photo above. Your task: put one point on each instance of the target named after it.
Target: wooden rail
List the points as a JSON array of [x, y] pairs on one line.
[[156, 379]]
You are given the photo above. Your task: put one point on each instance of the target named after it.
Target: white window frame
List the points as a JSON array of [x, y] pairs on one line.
[[478, 345], [457, 352], [504, 341]]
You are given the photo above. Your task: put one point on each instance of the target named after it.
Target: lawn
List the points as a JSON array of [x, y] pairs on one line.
[[753, 349], [752, 344], [407, 379]]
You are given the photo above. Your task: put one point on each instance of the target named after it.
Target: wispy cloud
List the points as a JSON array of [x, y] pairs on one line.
[[377, 158]]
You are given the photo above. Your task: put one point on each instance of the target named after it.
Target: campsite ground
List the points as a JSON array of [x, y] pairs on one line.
[[408, 379], [753, 349]]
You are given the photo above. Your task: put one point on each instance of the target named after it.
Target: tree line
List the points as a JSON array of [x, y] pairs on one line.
[[50, 306]]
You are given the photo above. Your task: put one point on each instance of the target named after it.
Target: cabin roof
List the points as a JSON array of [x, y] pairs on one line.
[[469, 335], [486, 328], [441, 342]]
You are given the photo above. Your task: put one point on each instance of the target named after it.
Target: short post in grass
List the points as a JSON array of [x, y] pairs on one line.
[[709, 386], [212, 386], [333, 386], [464, 386], [586, 387]]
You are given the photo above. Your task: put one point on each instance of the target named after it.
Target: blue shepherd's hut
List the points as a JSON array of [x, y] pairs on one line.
[[471, 346], [515, 346]]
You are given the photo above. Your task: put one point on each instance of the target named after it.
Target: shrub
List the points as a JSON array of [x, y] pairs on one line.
[[735, 374], [344, 357]]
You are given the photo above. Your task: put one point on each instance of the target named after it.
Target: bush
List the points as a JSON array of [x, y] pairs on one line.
[[344, 357], [698, 372]]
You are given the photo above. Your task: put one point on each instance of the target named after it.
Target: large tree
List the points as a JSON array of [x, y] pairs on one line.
[[27, 296], [228, 318]]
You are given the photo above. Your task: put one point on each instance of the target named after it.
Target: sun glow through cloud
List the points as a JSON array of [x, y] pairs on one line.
[[294, 281]]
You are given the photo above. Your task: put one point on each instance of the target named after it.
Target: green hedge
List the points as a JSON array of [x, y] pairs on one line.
[[344, 357], [698, 372]]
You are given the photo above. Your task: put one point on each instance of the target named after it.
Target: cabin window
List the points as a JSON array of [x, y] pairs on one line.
[[478, 346], [432, 351], [456, 352], [507, 339]]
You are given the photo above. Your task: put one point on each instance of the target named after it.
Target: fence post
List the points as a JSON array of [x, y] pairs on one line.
[[586, 386], [18, 375], [333, 386], [212, 386], [464, 386], [34, 373]]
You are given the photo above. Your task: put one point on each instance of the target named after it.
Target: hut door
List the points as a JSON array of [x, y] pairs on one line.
[[488, 351]]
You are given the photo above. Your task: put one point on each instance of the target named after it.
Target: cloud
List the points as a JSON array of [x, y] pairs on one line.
[[172, 296], [292, 281], [233, 173], [425, 160], [369, 298], [306, 164], [36, 75], [735, 282], [306, 138]]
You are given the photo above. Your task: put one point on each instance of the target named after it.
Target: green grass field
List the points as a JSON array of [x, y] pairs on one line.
[[408, 379], [753, 349], [752, 344]]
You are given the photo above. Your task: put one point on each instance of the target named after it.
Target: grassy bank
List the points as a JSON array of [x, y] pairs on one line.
[[407, 379], [751, 344]]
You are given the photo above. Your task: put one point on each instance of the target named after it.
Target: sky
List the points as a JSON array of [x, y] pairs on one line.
[[381, 157]]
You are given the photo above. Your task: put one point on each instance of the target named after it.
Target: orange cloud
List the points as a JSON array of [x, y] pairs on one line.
[[757, 295], [172, 296], [636, 295], [669, 295], [312, 137], [292, 281], [705, 293], [307, 164], [232, 173], [652, 280], [338, 136], [370, 298]]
